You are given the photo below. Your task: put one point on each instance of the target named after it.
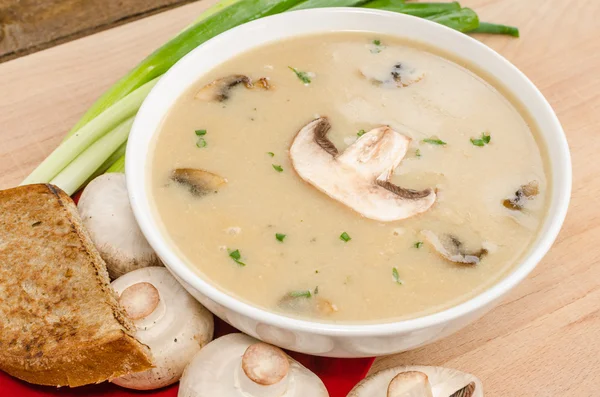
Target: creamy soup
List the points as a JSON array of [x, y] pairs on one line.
[[348, 178]]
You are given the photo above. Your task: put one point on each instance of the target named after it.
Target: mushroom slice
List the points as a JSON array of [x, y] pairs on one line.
[[305, 302], [359, 177], [522, 195], [168, 319], [419, 381], [106, 213], [198, 182], [220, 89], [398, 76], [239, 365], [451, 248]]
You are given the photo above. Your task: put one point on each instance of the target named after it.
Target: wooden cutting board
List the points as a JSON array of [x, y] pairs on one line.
[[544, 340]]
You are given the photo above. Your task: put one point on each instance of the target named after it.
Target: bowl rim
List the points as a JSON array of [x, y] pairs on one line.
[[137, 176]]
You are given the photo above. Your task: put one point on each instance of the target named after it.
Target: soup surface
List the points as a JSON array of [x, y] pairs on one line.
[[275, 238]]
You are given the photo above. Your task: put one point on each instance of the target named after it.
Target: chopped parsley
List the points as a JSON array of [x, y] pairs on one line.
[[418, 244], [361, 133], [418, 153], [378, 47], [434, 141], [271, 154], [280, 237], [396, 276], [484, 140], [345, 237], [201, 143], [303, 76], [236, 256], [301, 294], [277, 168], [316, 290]]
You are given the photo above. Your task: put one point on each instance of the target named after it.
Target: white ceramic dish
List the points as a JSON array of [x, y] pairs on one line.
[[333, 339]]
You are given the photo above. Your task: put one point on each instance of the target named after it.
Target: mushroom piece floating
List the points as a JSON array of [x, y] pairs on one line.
[[398, 76], [220, 89], [106, 213], [452, 249], [198, 182], [239, 365], [168, 319], [307, 302], [419, 381], [359, 177], [522, 195]]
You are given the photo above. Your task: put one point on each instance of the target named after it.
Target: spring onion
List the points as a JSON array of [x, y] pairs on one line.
[[72, 177], [91, 132], [421, 10], [327, 3], [492, 28], [463, 20]]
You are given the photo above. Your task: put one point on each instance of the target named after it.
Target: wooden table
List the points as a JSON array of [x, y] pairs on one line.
[[544, 340]]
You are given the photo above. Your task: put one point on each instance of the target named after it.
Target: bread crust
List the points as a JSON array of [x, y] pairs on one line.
[[60, 321]]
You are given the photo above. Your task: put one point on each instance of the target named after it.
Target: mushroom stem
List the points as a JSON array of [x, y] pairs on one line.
[[263, 371]]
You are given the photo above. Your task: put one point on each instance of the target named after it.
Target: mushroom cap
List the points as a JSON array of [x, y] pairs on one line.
[[444, 382], [106, 214], [218, 370], [168, 319], [219, 90], [199, 182], [451, 248], [359, 177]]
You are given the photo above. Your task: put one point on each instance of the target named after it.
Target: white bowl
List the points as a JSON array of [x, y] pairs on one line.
[[333, 339]]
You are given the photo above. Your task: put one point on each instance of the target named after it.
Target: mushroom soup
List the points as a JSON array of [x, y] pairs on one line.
[[346, 177]]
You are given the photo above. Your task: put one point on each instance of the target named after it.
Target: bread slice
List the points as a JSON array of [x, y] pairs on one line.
[[60, 323]]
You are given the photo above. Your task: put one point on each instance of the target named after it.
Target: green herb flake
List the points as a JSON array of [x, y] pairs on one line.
[[434, 141], [418, 153], [201, 143], [418, 244], [378, 47], [303, 76], [345, 237], [316, 290], [271, 154], [277, 168], [361, 133], [236, 256], [200, 132], [280, 237], [301, 294], [396, 276], [484, 140]]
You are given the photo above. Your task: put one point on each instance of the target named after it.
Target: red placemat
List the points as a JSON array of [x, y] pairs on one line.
[[339, 375]]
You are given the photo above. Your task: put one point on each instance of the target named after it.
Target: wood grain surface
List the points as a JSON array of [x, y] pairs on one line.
[[544, 340], [30, 25]]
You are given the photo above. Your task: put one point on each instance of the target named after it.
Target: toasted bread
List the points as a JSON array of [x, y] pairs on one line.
[[60, 322]]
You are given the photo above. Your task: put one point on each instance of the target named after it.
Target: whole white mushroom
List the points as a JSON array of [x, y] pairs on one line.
[[237, 365], [106, 213], [168, 319]]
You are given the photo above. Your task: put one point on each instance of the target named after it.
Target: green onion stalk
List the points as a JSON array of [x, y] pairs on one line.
[[96, 144]]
